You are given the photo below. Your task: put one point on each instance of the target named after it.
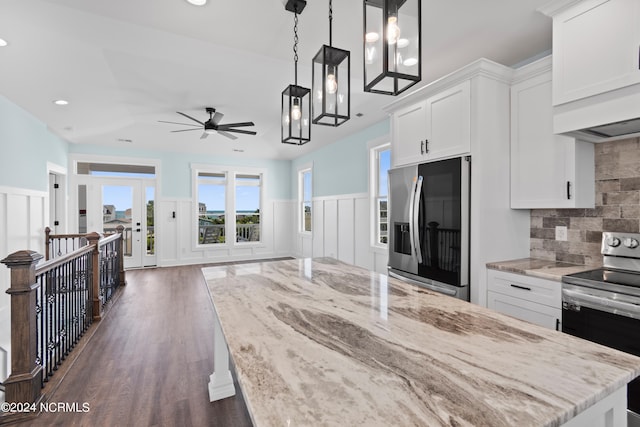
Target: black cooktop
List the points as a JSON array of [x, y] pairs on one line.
[[602, 277]]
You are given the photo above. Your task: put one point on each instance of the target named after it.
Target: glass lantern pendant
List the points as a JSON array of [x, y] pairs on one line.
[[331, 83], [296, 100], [392, 45]]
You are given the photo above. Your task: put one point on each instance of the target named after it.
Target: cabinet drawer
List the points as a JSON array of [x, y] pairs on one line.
[[543, 315], [540, 291]]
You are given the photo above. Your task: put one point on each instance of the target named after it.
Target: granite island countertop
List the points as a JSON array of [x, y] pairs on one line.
[[544, 269], [318, 342]]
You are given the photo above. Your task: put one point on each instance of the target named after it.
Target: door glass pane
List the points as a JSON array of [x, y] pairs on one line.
[[150, 205], [82, 209], [211, 208], [247, 208], [306, 201], [116, 210]]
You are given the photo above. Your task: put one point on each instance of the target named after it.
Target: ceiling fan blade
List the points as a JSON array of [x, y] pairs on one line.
[[236, 125], [227, 134], [248, 132], [217, 117], [204, 135], [189, 117], [184, 130], [176, 123]]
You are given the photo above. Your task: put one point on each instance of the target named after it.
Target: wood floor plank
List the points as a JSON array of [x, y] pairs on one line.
[[148, 363]]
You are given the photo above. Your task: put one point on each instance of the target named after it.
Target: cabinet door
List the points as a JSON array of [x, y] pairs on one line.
[[409, 134], [547, 170], [539, 314], [449, 122], [596, 48]]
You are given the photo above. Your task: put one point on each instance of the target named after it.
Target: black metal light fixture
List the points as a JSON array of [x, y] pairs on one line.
[[331, 83], [392, 45], [296, 100]]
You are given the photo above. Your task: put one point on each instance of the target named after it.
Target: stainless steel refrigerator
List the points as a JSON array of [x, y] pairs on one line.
[[429, 225]]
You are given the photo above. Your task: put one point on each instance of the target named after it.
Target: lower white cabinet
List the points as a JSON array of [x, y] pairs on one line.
[[527, 298]]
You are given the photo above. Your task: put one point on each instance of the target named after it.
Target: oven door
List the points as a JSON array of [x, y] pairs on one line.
[[589, 316]]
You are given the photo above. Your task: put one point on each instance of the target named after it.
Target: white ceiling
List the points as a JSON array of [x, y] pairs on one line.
[[125, 64]]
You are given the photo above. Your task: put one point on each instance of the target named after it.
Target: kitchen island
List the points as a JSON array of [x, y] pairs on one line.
[[322, 343]]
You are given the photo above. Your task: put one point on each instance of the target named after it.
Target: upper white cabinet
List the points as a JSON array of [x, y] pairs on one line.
[[596, 46], [434, 128], [547, 170]]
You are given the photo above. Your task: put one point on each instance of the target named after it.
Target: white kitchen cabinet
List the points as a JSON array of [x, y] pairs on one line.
[[547, 170], [435, 128], [409, 134], [527, 298], [595, 46]]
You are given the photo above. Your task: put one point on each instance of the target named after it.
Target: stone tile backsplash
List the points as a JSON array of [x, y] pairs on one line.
[[617, 208]]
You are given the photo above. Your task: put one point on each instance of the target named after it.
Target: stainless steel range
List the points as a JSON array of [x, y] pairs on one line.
[[603, 305]]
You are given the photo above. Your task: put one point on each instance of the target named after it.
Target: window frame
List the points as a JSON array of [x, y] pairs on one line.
[[230, 173], [302, 170], [376, 147]]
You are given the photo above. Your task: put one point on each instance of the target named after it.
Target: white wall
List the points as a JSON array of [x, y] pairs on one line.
[[340, 229], [24, 214]]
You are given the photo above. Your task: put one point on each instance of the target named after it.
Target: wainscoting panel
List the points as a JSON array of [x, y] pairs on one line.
[[362, 255], [330, 228], [176, 240], [23, 218], [341, 231], [318, 227], [346, 230]]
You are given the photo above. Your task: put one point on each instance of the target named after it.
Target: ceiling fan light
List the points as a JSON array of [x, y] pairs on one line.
[[209, 131]]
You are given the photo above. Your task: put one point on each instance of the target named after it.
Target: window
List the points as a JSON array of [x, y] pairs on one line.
[[304, 199], [228, 204], [248, 208], [211, 208], [380, 161]]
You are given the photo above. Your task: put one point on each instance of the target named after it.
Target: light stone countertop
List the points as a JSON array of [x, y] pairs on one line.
[[551, 270], [322, 343]]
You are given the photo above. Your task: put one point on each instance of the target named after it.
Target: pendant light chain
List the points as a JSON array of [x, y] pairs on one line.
[[295, 45], [330, 21]]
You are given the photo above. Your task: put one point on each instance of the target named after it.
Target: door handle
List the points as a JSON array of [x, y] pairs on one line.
[[426, 146], [416, 220], [422, 147]]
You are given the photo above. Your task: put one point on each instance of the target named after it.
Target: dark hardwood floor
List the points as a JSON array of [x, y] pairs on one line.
[[149, 362]]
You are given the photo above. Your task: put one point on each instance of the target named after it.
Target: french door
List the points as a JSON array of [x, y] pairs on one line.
[[130, 203]]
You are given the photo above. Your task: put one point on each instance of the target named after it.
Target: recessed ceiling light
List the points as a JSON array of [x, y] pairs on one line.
[[197, 2], [61, 102], [410, 62], [3, 43], [403, 43]]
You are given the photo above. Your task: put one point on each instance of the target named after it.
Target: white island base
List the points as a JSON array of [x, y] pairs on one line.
[[220, 381]]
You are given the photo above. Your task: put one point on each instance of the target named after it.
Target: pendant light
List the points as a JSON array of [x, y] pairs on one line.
[[392, 45], [296, 102], [331, 87]]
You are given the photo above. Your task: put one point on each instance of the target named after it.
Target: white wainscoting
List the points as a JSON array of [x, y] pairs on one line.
[[24, 214], [176, 244], [340, 229]]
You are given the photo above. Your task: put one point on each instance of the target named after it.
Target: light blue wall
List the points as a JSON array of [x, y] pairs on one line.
[[176, 168], [26, 146], [341, 167]]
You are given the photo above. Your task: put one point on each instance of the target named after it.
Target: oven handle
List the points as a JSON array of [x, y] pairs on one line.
[[602, 304]]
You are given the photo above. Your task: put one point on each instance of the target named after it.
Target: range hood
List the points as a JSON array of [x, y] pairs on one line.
[[611, 131], [604, 117]]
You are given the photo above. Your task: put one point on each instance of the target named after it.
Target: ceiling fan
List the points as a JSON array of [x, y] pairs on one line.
[[213, 125]]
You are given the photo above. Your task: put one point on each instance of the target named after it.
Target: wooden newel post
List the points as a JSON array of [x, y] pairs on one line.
[[94, 239], [121, 277], [25, 381]]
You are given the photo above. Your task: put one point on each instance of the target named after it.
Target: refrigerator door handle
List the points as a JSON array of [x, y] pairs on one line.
[[414, 223], [412, 199]]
